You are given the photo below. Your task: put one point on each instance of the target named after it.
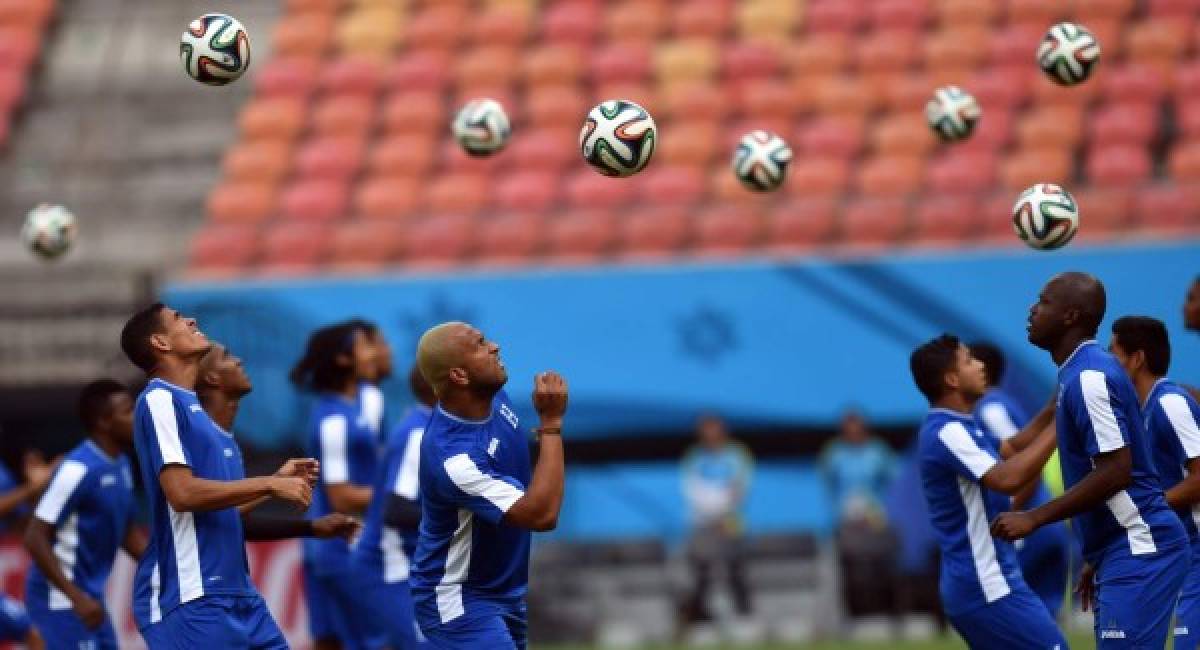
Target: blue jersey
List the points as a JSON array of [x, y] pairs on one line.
[[372, 407], [1171, 416], [385, 550], [8, 484], [191, 554], [468, 563], [1001, 417], [342, 440], [89, 502], [1098, 413], [954, 454]]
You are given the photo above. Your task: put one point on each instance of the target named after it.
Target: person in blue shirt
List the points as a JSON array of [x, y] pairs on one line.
[[1044, 555], [82, 520], [1134, 545], [381, 557], [15, 624], [371, 399], [858, 469], [1191, 320], [479, 497], [337, 360], [195, 566], [1143, 348], [965, 483]]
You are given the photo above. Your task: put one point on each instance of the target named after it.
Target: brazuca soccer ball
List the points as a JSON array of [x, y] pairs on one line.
[[215, 49], [761, 160], [618, 138], [481, 127], [952, 113], [1045, 216], [49, 230], [1068, 53]]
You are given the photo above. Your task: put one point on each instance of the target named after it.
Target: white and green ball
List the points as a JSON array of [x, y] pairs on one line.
[[952, 113], [482, 127], [1068, 53], [760, 161], [49, 230], [618, 138], [215, 49], [1045, 216]]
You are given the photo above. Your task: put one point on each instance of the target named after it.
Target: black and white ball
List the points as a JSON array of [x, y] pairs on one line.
[[215, 49], [1068, 54], [482, 127], [952, 113], [618, 138], [49, 230], [1045, 216], [760, 161]]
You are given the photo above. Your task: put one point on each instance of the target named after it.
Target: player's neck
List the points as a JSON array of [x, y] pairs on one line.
[[1068, 344], [1143, 383], [180, 372], [349, 390], [956, 402], [467, 406], [221, 408], [106, 444]]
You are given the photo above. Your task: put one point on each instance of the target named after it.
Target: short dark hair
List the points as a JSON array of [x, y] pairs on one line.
[[95, 400], [318, 369], [369, 328], [135, 336], [1148, 335], [929, 363], [992, 358]]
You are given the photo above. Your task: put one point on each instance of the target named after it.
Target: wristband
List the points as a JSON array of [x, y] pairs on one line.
[[548, 431]]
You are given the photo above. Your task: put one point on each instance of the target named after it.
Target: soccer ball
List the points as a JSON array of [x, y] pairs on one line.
[[1045, 216], [618, 138], [215, 49], [1068, 53], [481, 127], [761, 160], [952, 113], [49, 230]]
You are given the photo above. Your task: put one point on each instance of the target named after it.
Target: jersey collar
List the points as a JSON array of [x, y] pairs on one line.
[[99, 450], [1154, 390], [1077, 349], [950, 412], [179, 388], [462, 420]]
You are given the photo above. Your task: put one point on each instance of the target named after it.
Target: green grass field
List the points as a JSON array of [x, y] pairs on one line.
[[950, 642]]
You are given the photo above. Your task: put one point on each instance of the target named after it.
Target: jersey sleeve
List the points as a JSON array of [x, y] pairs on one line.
[[1181, 415], [408, 476], [332, 434], [63, 492], [166, 429], [963, 451], [1090, 404], [996, 419], [476, 485]]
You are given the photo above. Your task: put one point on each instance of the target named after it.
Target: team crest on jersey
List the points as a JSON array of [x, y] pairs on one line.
[[107, 480], [228, 452], [509, 415], [493, 446], [196, 408]]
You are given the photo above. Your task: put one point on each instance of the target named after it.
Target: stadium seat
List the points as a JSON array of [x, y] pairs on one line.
[[1002, 87], [1119, 9], [336, 158], [386, 198], [1027, 167], [993, 132], [293, 248], [799, 224], [527, 192], [693, 101], [906, 92], [845, 96], [29, 14], [957, 48], [701, 19], [461, 193], [352, 76], [667, 185], [1169, 208], [1133, 82], [222, 250], [996, 217], [741, 61], [620, 62], [904, 15], [873, 222], [287, 77], [887, 176], [314, 200], [817, 176], [306, 35], [19, 46], [241, 202], [436, 242], [725, 231], [1034, 12], [279, 118], [1184, 161], [1013, 45], [509, 239], [766, 99], [500, 26], [833, 16], [454, 159], [437, 27], [580, 236], [344, 115], [679, 61], [953, 13], [832, 136], [886, 50], [1103, 211], [691, 143], [552, 65], [372, 33], [818, 54], [365, 245], [1119, 165], [545, 149], [1157, 42], [571, 22], [902, 133], [636, 21], [555, 107], [417, 72], [1187, 117], [487, 66], [961, 172], [414, 112], [588, 189], [410, 154], [267, 161], [1130, 124], [766, 21], [304, 6], [1186, 80], [649, 233], [1185, 9], [945, 219], [1051, 126]]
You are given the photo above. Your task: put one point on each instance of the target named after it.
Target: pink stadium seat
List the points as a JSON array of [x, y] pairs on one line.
[[671, 186], [819, 54], [643, 94], [871, 222], [460, 193], [555, 107], [726, 231], [305, 35], [1117, 9], [902, 134], [960, 48], [414, 112], [580, 236], [418, 71], [571, 22], [293, 248], [833, 136], [505, 94], [767, 99], [845, 96], [330, 158], [344, 115], [800, 224], [1157, 41], [962, 172], [509, 239], [437, 27], [1034, 12], [1049, 94], [993, 132], [527, 192], [588, 189], [906, 91], [740, 61], [1104, 210], [500, 26], [455, 159], [1026, 167], [223, 249], [1184, 161], [370, 32], [315, 200], [833, 16], [817, 176], [634, 20], [438, 241], [486, 66], [907, 15], [544, 149], [1119, 165], [1187, 117], [352, 76], [1133, 82], [1129, 124], [1184, 9], [996, 218], [652, 233], [1109, 32], [1167, 208], [948, 218], [732, 134], [887, 176], [724, 187], [288, 77], [886, 50], [1187, 80], [1053, 126], [956, 13], [701, 18], [1014, 44], [552, 65], [620, 62], [265, 161], [1002, 87], [694, 101], [409, 154], [365, 245], [241, 202], [386, 198], [278, 118], [691, 143]]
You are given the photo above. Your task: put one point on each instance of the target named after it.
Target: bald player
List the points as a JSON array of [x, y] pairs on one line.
[[479, 499], [1135, 547]]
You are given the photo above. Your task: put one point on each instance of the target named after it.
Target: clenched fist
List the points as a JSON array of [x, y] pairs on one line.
[[550, 398], [292, 489]]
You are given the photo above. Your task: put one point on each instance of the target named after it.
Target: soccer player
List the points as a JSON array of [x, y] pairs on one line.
[[195, 567], [381, 556], [1044, 555], [964, 482], [337, 360], [479, 499], [1143, 348], [370, 396], [83, 518], [14, 500], [1134, 545], [1191, 319]]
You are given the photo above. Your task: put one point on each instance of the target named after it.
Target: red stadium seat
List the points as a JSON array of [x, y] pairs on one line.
[[1118, 165], [740, 61], [701, 18], [279, 118], [962, 172], [293, 248], [1014, 45], [993, 132], [555, 107], [691, 143], [1158, 42], [634, 20], [620, 62], [19, 47], [544, 149], [1185, 9], [725, 231], [366, 245], [903, 134], [486, 66], [1103, 210], [1133, 82], [1187, 80], [766, 99], [552, 65], [838, 137], [439, 241], [455, 159], [330, 158], [946, 218], [580, 236], [1184, 161], [671, 186], [1127, 124], [907, 15], [305, 6], [287, 77], [527, 192], [1170, 208], [12, 91], [222, 249], [845, 96], [1187, 117], [890, 176], [960, 48], [816, 176], [409, 154], [833, 16], [508, 239], [305, 35], [906, 92], [386, 198], [29, 14], [1035, 12], [1053, 126], [588, 189], [241, 202], [1002, 87], [571, 22], [956, 13], [996, 217], [800, 224], [818, 54], [267, 161], [500, 26], [871, 222], [693, 101], [652, 233], [1117, 9], [315, 200], [418, 71], [643, 94], [344, 115], [414, 112], [437, 27], [1027, 167], [352, 76], [886, 50], [459, 193]]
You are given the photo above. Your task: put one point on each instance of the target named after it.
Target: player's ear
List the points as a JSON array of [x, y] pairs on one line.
[[1138, 359], [458, 377], [160, 342], [951, 379]]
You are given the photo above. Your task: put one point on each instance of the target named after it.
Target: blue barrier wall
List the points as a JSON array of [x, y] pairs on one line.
[[766, 343]]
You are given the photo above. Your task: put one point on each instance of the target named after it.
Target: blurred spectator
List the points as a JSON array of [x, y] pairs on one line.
[[716, 477]]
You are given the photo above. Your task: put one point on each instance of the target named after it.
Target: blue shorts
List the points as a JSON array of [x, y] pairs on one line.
[[1018, 620], [236, 622], [62, 629], [1136, 596], [14, 621], [386, 610], [333, 609], [1044, 557], [1187, 611], [505, 630]]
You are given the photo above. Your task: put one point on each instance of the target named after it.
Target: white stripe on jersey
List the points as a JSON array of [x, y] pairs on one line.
[[983, 548], [372, 406], [408, 478], [1180, 415], [469, 479], [458, 563], [187, 555], [66, 548], [66, 479], [1125, 511], [997, 419], [334, 462], [960, 443], [395, 562], [166, 429], [1104, 421], [155, 592]]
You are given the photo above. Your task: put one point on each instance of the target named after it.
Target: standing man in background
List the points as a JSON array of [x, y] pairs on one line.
[[371, 400], [14, 500], [717, 473], [1191, 320]]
